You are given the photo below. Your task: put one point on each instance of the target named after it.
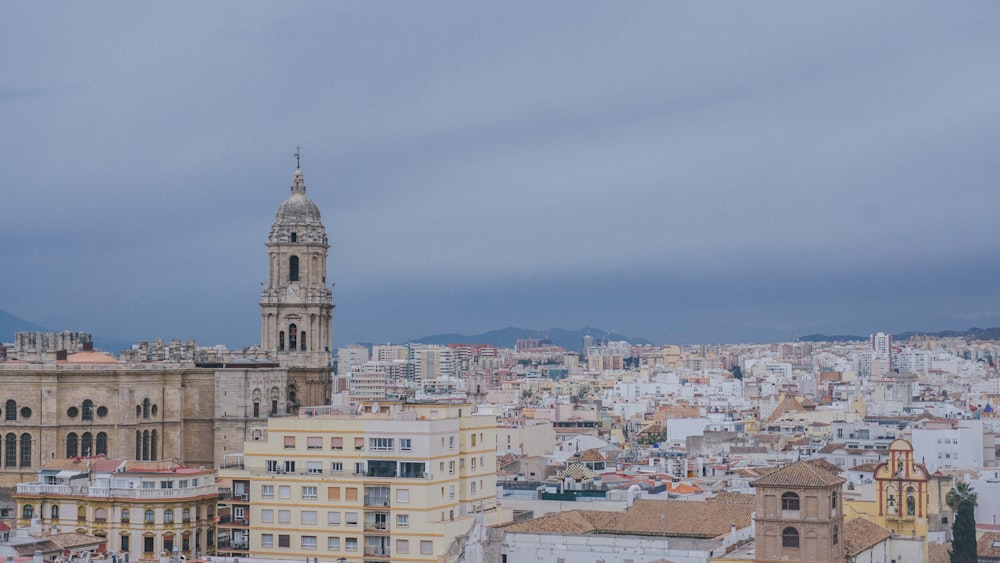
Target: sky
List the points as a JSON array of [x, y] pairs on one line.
[[697, 172]]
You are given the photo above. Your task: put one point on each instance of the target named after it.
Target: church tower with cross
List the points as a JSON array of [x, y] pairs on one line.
[[296, 304]]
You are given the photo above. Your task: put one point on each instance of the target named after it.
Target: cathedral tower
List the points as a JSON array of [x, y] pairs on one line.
[[296, 305]]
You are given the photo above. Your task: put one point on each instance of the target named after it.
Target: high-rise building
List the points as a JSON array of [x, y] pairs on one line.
[[399, 480]]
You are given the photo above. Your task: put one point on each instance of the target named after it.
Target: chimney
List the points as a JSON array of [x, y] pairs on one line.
[[88, 346], [61, 355]]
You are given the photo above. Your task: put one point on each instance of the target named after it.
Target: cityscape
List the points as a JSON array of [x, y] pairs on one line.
[[265, 264]]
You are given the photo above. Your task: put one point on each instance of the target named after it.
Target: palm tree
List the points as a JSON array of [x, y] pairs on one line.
[[962, 500]]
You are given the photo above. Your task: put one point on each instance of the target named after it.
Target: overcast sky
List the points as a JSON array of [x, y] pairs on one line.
[[697, 172]]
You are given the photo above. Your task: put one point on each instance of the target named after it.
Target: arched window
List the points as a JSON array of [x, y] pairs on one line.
[[281, 340], [145, 408], [55, 511], [87, 412], [145, 445], [124, 515], [148, 516], [10, 410], [10, 450], [293, 335], [138, 411], [789, 537], [293, 268], [87, 444], [71, 445], [152, 446], [28, 511], [295, 237], [168, 516], [789, 501], [186, 515], [102, 444], [833, 500], [26, 450], [302, 341], [138, 445], [836, 535], [100, 515]]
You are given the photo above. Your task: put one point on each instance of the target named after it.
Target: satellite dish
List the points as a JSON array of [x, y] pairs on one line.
[[375, 407]]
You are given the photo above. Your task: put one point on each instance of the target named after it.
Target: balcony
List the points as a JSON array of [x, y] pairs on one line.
[[376, 501], [377, 527], [377, 552]]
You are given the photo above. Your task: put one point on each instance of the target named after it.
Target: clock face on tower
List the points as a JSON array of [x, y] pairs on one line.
[[293, 290]]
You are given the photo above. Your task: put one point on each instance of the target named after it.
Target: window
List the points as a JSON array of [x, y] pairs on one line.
[[402, 546], [359, 444], [283, 540], [289, 466], [351, 518], [314, 467], [267, 491], [25, 446], [333, 493], [333, 544], [336, 467], [267, 516], [293, 339], [71, 445], [87, 413], [380, 444], [405, 444], [148, 516], [789, 537], [472, 463], [333, 518], [472, 487], [473, 439], [166, 484], [293, 268], [451, 467], [125, 545], [833, 500], [284, 516], [359, 468], [836, 535], [351, 544], [351, 493], [289, 442], [314, 442], [10, 450], [790, 501], [10, 410], [402, 520], [168, 516], [284, 491], [124, 515], [308, 542], [182, 484], [451, 492], [267, 540], [337, 443], [451, 442], [309, 492], [426, 547], [402, 495], [271, 465]]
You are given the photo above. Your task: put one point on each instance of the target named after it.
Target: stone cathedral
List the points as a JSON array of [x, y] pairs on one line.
[[61, 398]]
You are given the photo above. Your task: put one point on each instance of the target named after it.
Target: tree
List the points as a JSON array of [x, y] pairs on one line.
[[962, 500]]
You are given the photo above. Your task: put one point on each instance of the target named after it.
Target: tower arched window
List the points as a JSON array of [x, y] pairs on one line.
[[295, 237], [293, 335], [87, 444], [10, 410], [836, 535], [145, 408], [152, 446], [55, 511], [28, 512], [87, 412], [10, 450], [293, 268], [145, 445], [71, 445], [789, 501], [102, 444], [302, 341], [281, 340], [789, 537], [25, 450]]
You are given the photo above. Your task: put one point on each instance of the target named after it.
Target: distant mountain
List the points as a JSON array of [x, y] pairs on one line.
[[506, 337], [9, 324], [974, 333]]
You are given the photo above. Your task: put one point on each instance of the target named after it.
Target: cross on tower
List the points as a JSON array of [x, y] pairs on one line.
[[298, 155]]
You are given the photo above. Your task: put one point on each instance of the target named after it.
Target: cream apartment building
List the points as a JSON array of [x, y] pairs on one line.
[[392, 480]]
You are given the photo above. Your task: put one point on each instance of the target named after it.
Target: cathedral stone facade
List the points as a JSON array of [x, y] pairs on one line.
[[60, 398]]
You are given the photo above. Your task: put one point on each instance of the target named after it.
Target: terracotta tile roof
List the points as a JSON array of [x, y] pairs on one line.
[[860, 534], [577, 472], [646, 518], [938, 552], [866, 467], [799, 474], [824, 464], [984, 547], [738, 498], [97, 463], [592, 454]]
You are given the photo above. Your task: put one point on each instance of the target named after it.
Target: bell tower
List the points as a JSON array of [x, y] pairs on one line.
[[296, 304]]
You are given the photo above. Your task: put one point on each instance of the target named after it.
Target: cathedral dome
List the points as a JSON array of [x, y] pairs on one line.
[[298, 215]]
